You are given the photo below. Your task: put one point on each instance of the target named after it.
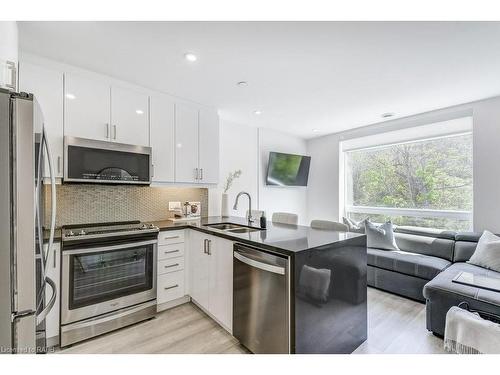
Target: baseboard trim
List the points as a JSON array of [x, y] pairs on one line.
[[171, 304]]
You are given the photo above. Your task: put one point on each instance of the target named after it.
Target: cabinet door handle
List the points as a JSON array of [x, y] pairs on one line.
[[170, 237], [152, 170], [171, 251], [13, 73], [114, 132], [196, 174], [58, 164], [171, 287], [201, 173], [205, 246], [209, 247], [107, 131], [54, 264], [172, 265]]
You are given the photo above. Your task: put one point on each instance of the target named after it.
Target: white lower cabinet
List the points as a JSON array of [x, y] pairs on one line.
[[211, 275], [53, 272], [220, 298], [171, 286], [171, 277], [198, 268]]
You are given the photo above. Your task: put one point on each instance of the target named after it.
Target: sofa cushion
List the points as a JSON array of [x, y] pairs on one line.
[[426, 245], [463, 251], [487, 252], [356, 227], [419, 265], [428, 232], [380, 236], [442, 284]]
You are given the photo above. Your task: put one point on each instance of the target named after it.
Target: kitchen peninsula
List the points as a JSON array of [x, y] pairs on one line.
[[327, 278]]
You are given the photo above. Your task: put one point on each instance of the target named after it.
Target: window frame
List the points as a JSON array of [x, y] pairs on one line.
[[434, 130]]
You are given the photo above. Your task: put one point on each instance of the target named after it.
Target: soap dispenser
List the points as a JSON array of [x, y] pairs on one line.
[[263, 221]]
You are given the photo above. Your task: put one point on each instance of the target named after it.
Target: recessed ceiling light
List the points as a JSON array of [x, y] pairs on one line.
[[315, 130], [387, 114], [191, 57], [242, 83], [257, 112], [139, 111], [70, 96]]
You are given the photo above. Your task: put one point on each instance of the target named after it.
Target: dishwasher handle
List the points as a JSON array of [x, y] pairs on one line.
[[263, 266]]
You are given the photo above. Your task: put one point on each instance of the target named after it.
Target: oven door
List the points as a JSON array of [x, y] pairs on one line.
[[97, 280], [88, 160]]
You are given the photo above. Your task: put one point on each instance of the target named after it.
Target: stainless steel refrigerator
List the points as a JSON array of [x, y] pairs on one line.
[[24, 287]]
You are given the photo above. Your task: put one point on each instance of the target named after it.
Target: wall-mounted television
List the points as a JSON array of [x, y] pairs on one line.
[[287, 169]]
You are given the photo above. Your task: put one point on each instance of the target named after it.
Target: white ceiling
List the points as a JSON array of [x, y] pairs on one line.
[[329, 76]]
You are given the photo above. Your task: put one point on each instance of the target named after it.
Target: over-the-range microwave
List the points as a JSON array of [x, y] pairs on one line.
[[93, 161]]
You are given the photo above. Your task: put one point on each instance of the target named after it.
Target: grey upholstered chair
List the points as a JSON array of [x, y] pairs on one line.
[[285, 218], [329, 225]]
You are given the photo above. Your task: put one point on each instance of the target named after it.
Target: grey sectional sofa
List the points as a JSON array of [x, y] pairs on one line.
[[424, 268]]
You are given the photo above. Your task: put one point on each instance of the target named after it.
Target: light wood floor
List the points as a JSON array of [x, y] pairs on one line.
[[395, 325]]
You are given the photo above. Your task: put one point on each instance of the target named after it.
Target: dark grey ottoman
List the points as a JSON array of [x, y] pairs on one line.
[[441, 294]]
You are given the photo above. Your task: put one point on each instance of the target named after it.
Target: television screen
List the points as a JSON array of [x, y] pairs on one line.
[[287, 169]]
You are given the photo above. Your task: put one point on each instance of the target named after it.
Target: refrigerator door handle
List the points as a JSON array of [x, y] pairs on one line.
[[45, 311], [43, 314], [52, 191]]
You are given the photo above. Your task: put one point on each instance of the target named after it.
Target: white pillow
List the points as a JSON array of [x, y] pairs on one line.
[[357, 227], [380, 236], [487, 253]]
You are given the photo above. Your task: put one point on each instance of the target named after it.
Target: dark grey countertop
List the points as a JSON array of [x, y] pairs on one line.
[[284, 238]]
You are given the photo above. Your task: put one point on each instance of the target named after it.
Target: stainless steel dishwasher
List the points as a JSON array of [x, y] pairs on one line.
[[261, 308]]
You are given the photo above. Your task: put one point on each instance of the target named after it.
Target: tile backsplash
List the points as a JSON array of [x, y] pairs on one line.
[[92, 203]]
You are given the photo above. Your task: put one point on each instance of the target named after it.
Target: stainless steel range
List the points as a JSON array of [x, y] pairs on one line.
[[108, 278]]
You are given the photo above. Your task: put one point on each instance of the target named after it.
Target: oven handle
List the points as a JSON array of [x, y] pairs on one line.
[[109, 248]]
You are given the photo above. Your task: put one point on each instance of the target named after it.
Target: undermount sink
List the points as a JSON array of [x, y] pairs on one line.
[[233, 228], [243, 230], [225, 226]]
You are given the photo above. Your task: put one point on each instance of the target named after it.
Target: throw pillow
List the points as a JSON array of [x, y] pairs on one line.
[[380, 236], [357, 227], [487, 253]]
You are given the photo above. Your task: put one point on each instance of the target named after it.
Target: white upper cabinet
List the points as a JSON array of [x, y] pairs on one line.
[[209, 146], [87, 107], [47, 87], [162, 137], [8, 55], [196, 144], [129, 116], [186, 143]]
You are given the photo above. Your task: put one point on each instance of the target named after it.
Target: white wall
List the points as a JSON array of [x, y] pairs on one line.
[[323, 189], [238, 150], [247, 148], [275, 198], [324, 194]]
